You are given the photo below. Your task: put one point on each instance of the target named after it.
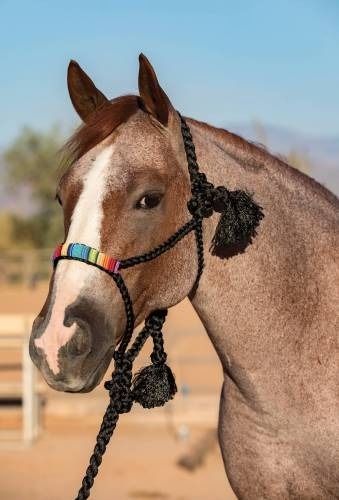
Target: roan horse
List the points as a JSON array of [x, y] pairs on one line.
[[270, 309]]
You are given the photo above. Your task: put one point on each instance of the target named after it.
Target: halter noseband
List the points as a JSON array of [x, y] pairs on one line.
[[154, 385], [89, 255]]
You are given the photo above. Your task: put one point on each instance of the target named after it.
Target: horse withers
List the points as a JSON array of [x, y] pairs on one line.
[[270, 307]]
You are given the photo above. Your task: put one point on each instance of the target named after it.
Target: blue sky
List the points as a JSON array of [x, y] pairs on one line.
[[219, 61]]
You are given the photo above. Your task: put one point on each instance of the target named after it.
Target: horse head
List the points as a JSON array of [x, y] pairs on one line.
[[124, 192]]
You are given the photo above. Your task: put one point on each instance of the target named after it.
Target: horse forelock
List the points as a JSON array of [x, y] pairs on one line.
[[99, 126]]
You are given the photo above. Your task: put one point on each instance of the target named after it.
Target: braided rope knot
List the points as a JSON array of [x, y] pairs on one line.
[[158, 357], [119, 387], [206, 198], [240, 215]]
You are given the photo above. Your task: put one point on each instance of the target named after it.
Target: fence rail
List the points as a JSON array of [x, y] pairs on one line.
[[14, 337], [25, 266]]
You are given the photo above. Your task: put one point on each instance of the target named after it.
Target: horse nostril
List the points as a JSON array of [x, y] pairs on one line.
[[80, 343]]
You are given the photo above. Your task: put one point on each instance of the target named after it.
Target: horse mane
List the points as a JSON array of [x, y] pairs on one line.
[[99, 125], [255, 155], [242, 148]]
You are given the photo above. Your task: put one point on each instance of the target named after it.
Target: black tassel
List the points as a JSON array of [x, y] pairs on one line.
[[154, 385], [238, 221]]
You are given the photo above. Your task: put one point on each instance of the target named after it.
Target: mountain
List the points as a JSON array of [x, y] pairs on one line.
[[322, 152]]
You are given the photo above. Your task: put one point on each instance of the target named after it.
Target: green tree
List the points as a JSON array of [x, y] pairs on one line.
[[32, 162], [6, 228]]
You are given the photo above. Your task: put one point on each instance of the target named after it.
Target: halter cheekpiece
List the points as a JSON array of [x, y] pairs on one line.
[[154, 385]]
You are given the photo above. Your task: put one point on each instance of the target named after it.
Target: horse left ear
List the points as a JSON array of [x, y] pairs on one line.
[[154, 98], [85, 97]]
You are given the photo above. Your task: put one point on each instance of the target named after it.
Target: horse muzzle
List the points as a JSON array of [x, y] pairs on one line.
[[75, 356]]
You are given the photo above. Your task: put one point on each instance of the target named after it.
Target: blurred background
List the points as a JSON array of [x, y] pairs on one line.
[[265, 70]]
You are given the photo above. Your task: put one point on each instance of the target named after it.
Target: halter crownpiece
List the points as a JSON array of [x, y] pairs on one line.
[[154, 385]]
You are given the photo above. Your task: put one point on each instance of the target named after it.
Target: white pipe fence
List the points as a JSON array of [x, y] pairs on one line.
[[14, 335]]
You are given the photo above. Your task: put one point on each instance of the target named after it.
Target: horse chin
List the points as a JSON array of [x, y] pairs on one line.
[[96, 377], [81, 382]]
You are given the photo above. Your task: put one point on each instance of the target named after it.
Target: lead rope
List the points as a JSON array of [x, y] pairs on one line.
[[120, 393], [154, 385]]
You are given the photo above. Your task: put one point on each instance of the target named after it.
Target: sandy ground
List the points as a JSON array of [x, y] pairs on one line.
[[141, 461]]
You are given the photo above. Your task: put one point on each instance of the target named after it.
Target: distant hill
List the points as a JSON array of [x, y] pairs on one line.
[[323, 153]]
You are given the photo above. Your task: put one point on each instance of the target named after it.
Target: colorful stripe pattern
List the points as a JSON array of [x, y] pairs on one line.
[[84, 253]]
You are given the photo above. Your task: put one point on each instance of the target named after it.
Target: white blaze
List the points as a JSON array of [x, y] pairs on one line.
[[71, 275], [87, 216]]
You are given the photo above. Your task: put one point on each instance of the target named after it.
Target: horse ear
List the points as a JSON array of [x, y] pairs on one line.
[[154, 98], [85, 97]]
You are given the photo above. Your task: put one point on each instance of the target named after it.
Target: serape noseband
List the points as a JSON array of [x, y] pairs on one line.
[[84, 253]]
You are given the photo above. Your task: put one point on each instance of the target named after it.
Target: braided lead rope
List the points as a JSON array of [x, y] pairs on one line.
[[200, 253], [121, 397]]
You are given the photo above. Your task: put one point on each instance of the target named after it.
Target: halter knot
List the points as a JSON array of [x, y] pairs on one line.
[[206, 198], [201, 203], [158, 357], [240, 215], [119, 387]]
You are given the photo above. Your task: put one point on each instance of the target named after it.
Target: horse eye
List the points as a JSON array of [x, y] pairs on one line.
[[149, 201], [57, 197]]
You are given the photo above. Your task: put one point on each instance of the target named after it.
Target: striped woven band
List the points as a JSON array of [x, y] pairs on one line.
[[84, 253]]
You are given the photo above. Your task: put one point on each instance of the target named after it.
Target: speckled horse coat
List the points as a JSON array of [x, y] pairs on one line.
[[271, 311]]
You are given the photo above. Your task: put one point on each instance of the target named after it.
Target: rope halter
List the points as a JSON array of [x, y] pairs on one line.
[[154, 385]]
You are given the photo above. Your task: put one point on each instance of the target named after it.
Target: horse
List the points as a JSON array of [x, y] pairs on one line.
[[269, 307]]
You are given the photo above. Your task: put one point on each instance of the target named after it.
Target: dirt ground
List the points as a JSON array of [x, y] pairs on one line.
[[140, 464], [141, 460]]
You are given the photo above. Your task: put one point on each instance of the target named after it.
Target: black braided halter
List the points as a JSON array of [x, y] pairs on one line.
[[155, 384]]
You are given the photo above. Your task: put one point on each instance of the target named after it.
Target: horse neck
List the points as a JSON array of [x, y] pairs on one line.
[[251, 301]]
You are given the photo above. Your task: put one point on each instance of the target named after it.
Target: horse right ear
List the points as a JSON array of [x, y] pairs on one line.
[[153, 97], [85, 97]]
